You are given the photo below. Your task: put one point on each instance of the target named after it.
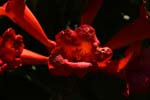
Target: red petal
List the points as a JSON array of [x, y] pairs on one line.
[[138, 30], [25, 19], [91, 11]]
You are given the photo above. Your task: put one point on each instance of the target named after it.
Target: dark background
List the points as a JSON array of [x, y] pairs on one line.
[[27, 83]]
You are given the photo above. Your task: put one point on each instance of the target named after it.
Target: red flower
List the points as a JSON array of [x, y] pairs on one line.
[[76, 52], [20, 14], [11, 47]]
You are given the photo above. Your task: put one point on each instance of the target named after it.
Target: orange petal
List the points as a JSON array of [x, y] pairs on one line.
[[29, 57], [133, 51], [2, 12], [124, 61]]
